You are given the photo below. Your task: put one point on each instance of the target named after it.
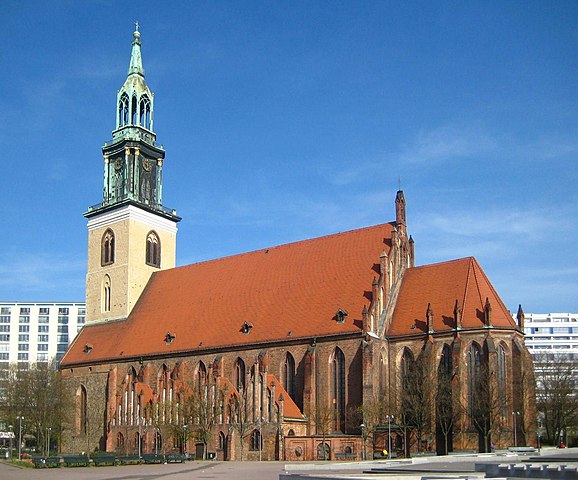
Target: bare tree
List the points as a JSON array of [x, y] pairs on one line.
[[556, 395], [240, 417], [323, 416]]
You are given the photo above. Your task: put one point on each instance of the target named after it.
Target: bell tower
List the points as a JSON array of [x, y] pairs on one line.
[[130, 233]]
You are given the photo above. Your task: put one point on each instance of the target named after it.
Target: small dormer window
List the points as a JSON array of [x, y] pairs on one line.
[[87, 348], [169, 337], [246, 328], [340, 316]]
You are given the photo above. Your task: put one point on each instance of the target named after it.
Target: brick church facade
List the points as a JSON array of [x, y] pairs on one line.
[[328, 348]]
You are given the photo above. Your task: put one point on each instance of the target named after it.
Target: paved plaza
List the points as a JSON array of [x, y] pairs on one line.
[[456, 466]]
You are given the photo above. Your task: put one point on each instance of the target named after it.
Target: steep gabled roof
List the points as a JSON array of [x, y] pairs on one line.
[[440, 285], [280, 293]]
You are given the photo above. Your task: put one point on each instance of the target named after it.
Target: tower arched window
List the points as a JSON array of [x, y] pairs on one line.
[[107, 248], [153, 250], [133, 111], [337, 379], [289, 375], [123, 113], [145, 112], [106, 294], [240, 374]]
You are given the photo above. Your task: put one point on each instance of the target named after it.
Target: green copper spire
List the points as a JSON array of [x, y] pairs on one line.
[[135, 66]]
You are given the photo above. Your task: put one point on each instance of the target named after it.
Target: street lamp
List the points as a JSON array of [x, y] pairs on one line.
[[11, 429], [185, 438], [515, 414], [363, 440], [20, 418], [139, 436], [389, 419]]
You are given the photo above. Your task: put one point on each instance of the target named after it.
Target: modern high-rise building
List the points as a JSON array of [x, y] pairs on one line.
[[552, 334], [37, 332]]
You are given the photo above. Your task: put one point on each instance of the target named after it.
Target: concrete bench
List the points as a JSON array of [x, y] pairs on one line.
[[175, 458], [102, 459], [129, 460], [75, 460], [153, 458], [46, 462], [345, 456]]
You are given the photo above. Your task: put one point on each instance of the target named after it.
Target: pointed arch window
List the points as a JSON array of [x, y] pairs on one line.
[[145, 112], [201, 375], [133, 111], [337, 379], [255, 443], [82, 410], [107, 248], [123, 113], [119, 442], [502, 377], [153, 250], [240, 374], [289, 375], [106, 294]]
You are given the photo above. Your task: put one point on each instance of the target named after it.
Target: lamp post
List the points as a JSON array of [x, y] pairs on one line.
[[139, 436], [184, 439], [389, 419], [20, 418], [515, 415], [363, 441], [11, 430]]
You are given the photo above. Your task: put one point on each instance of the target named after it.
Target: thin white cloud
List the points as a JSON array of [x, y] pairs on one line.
[[445, 144], [29, 274]]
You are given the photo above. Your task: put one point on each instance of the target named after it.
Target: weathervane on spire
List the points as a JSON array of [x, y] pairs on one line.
[[136, 25]]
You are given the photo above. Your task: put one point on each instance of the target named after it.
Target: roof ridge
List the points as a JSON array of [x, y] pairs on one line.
[[275, 247], [497, 297], [467, 287], [455, 260]]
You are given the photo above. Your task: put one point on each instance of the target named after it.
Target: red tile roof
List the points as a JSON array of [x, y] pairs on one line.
[[290, 408], [441, 285], [286, 292]]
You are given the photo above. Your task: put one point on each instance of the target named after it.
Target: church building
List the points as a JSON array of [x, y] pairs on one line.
[[328, 348]]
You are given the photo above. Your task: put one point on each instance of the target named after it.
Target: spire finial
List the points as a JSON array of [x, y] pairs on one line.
[[135, 58]]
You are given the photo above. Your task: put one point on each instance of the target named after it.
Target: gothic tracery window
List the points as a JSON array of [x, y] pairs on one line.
[[153, 250], [255, 441], [289, 375], [502, 377], [240, 374], [337, 379], [107, 248]]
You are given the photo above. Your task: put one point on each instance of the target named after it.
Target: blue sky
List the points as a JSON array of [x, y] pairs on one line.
[[288, 120]]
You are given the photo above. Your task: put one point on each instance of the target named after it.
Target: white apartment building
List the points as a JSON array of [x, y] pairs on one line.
[[552, 334], [37, 332]]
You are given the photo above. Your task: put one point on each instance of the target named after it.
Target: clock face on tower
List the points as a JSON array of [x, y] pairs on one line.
[[147, 164]]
